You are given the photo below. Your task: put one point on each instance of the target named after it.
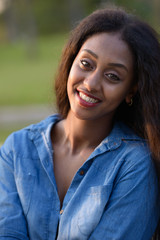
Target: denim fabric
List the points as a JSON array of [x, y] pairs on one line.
[[115, 199]]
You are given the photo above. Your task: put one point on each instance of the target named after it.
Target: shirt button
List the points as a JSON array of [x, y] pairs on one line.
[[61, 211], [81, 172]]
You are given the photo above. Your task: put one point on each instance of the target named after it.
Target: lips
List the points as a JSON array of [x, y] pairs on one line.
[[87, 100]]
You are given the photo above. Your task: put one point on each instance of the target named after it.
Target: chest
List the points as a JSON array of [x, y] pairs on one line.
[[65, 167], [37, 192]]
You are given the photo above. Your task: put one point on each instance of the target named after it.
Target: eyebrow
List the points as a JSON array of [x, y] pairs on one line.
[[110, 64], [118, 65], [92, 53]]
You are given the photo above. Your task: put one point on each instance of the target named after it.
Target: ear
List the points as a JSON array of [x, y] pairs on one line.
[[131, 93]]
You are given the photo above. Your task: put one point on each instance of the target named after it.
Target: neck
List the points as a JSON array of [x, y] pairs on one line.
[[82, 134]]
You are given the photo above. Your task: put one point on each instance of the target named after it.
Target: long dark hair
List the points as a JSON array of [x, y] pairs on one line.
[[144, 115]]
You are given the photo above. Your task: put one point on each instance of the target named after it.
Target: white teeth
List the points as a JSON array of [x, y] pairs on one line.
[[87, 99]]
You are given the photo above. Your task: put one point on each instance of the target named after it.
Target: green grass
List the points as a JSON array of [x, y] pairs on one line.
[[27, 72]]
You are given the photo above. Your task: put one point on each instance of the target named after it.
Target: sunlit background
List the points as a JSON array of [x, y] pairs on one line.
[[32, 35]]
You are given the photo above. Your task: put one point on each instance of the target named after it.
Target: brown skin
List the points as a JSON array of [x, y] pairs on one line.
[[102, 70]]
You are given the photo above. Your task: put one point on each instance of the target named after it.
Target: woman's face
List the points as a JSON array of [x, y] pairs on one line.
[[101, 77]]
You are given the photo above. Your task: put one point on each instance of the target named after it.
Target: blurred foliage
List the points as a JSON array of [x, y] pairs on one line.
[[31, 17], [142, 8], [61, 15], [44, 17]]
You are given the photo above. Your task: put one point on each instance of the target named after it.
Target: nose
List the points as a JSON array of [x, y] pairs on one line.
[[92, 82]]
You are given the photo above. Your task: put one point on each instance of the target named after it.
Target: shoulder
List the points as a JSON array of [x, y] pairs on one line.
[[124, 137], [24, 138], [130, 158], [127, 148]]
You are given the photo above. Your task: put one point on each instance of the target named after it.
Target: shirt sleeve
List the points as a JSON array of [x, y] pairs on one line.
[[12, 220], [133, 209]]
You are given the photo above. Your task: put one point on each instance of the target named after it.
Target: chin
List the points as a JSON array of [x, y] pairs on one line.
[[85, 116], [81, 115]]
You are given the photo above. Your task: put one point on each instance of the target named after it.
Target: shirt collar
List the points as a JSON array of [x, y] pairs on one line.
[[43, 128], [119, 133]]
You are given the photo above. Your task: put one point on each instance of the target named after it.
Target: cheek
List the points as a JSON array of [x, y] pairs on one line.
[[116, 93], [71, 84], [69, 87], [75, 78], [70, 80]]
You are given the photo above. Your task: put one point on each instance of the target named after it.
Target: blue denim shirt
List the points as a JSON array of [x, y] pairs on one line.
[[115, 199]]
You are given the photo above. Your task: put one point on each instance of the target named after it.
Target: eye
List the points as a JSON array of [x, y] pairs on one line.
[[113, 77], [85, 64]]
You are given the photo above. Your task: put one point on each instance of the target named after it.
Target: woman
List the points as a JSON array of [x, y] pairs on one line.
[[87, 172]]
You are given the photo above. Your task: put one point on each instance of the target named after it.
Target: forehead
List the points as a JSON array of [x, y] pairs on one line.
[[109, 45]]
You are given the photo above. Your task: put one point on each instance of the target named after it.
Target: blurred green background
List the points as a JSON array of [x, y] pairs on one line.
[[32, 36]]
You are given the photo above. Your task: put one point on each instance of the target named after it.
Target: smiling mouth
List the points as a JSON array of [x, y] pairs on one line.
[[87, 98]]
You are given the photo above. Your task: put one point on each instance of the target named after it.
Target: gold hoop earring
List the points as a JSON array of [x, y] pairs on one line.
[[131, 102]]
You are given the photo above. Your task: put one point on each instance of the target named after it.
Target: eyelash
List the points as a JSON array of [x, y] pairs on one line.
[[112, 77], [85, 64]]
